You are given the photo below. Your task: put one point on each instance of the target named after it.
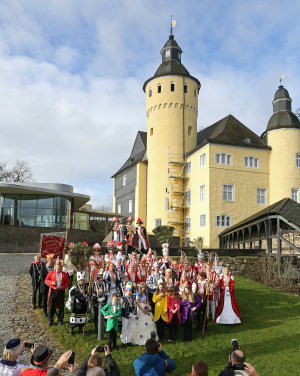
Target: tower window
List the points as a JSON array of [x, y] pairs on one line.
[[119, 208], [124, 180], [159, 88], [223, 220], [168, 53], [298, 160], [172, 86], [151, 131], [190, 130], [185, 88], [202, 220], [150, 92], [195, 92]]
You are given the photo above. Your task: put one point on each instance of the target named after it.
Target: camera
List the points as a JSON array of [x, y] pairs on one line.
[[235, 346], [28, 345], [72, 358], [100, 349]]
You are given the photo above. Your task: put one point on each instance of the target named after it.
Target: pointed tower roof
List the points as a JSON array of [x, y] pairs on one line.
[[282, 117], [171, 62]]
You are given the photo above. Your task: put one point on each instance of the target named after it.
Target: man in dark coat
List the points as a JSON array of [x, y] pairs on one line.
[[35, 272]]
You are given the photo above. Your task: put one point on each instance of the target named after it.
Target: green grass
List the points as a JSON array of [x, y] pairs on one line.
[[269, 335]]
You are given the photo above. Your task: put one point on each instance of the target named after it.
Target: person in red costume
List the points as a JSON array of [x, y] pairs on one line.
[[58, 281], [228, 310]]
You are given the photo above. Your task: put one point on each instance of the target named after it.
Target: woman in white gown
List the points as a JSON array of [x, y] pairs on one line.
[[228, 310], [143, 324]]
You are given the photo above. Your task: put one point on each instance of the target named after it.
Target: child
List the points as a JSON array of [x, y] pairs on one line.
[[112, 311], [174, 313], [128, 310], [189, 303], [161, 308]]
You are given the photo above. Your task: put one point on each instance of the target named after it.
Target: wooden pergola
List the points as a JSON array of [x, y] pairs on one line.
[[275, 228]]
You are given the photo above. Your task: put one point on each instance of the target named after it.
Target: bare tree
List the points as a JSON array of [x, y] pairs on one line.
[[20, 173], [298, 113]]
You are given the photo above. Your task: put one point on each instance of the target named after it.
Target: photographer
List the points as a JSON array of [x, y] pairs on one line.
[[154, 360], [237, 365], [12, 354], [94, 360]]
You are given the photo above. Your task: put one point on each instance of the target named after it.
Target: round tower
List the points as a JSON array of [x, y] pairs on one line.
[[172, 109], [283, 135]]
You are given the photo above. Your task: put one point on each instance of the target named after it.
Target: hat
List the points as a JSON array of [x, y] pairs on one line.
[[120, 246], [80, 275], [40, 355], [119, 257], [165, 248], [156, 265], [58, 261], [128, 286], [13, 344], [200, 255], [115, 219], [175, 262], [139, 221], [100, 273], [70, 245], [50, 256], [84, 243], [129, 219], [216, 258], [97, 246]]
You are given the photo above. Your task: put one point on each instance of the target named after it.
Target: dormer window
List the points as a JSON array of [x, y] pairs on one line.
[[168, 53], [247, 140]]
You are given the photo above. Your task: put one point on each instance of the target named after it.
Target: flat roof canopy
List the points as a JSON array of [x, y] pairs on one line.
[[63, 190]]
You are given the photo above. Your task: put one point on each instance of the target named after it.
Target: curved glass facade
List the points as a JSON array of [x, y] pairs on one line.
[[35, 210]]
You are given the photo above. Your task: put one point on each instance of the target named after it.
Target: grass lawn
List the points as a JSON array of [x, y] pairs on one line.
[[269, 335]]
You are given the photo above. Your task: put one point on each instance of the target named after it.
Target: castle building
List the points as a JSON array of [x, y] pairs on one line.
[[203, 182]]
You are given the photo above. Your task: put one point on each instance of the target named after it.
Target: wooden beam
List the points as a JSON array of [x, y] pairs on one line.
[[290, 244]]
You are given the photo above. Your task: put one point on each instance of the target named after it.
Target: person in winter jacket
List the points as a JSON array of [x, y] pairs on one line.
[[154, 361]]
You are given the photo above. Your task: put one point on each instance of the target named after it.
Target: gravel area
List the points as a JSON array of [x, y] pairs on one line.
[[17, 318]]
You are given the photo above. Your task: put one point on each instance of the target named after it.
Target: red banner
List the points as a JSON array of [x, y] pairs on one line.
[[53, 244]]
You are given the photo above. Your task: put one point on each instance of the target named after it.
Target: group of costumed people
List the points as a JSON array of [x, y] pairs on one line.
[[140, 293]]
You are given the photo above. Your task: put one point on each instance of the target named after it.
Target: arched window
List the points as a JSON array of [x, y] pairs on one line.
[[150, 92], [159, 88], [172, 86], [195, 92], [185, 88]]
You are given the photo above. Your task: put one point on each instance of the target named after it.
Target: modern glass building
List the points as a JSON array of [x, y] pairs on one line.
[[42, 205]]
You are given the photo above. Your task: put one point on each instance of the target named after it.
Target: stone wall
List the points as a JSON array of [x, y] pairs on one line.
[[27, 239]]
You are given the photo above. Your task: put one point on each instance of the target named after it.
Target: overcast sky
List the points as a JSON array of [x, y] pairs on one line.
[[72, 71]]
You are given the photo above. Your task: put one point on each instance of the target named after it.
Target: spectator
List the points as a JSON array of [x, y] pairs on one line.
[[154, 361], [199, 369], [95, 371], [40, 361], [12, 354], [63, 362], [237, 362], [94, 360]]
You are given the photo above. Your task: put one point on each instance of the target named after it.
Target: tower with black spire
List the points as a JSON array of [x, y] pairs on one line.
[[172, 110], [283, 135]]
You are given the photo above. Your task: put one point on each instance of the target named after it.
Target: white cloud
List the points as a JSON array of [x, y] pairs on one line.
[[71, 76]]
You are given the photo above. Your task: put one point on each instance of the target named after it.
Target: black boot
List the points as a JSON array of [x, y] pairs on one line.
[[71, 331]]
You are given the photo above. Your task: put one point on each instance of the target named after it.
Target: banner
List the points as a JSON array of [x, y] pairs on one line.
[[54, 242]]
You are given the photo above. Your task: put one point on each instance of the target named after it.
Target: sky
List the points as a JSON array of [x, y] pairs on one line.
[[72, 71]]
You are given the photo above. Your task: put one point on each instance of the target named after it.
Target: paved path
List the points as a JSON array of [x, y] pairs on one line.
[[17, 318]]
